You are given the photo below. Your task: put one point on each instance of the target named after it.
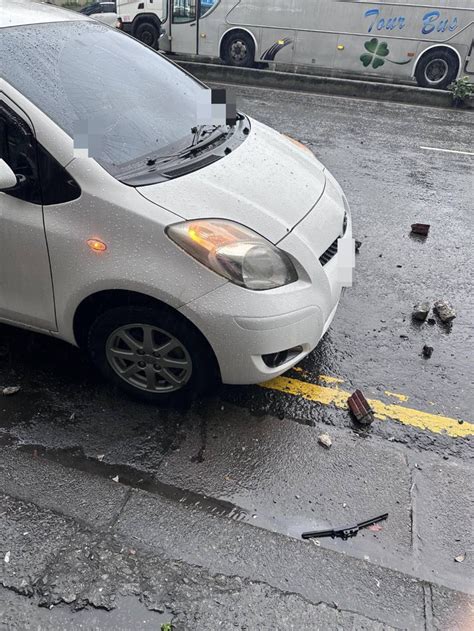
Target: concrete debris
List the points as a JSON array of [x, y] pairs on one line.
[[10, 390], [7, 557], [444, 311], [100, 457], [360, 408], [420, 228], [421, 311], [427, 351], [460, 558], [116, 478], [325, 440]]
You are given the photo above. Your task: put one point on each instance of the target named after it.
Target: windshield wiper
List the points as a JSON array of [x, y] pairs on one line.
[[200, 130], [216, 133], [212, 133], [344, 533]]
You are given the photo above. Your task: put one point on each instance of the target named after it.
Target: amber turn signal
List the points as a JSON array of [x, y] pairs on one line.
[[96, 245]]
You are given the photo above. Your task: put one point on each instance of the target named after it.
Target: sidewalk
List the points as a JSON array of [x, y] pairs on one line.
[[74, 539]]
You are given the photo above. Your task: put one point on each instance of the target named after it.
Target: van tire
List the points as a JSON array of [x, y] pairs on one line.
[[147, 33], [437, 69], [105, 348], [238, 49]]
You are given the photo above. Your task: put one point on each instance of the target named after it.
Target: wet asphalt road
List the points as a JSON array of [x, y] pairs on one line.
[[251, 453]]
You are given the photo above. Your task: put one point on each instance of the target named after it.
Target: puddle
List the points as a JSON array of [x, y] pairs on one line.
[[366, 545], [136, 479], [15, 409]]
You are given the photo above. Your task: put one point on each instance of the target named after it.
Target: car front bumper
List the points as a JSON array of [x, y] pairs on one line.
[[244, 326]]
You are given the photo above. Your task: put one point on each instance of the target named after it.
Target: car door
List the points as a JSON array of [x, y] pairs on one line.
[[26, 291], [184, 26]]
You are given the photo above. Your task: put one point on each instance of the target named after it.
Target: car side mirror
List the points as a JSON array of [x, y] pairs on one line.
[[8, 179]]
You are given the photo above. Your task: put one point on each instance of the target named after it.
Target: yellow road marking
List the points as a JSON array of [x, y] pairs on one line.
[[383, 411], [328, 379], [400, 397], [324, 378]]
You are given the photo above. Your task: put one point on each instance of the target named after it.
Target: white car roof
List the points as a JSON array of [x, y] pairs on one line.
[[18, 12]]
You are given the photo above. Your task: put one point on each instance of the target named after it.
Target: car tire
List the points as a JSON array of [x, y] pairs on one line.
[[148, 34], [437, 69], [239, 50], [178, 374]]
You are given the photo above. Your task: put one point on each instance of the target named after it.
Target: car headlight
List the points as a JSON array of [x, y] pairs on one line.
[[235, 252]]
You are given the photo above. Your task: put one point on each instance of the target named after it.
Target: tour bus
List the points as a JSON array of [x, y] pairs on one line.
[[428, 41]]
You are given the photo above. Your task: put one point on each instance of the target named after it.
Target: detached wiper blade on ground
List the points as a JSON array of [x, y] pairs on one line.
[[344, 533]]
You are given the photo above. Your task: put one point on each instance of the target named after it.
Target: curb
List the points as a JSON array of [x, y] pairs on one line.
[[320, 85]]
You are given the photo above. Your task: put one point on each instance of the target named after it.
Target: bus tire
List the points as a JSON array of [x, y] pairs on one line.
[[238, 49], [437, 68], [147, 33]]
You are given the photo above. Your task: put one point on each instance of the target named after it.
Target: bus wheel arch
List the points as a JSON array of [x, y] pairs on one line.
[[146, 27], [238, 47], [437, 67]]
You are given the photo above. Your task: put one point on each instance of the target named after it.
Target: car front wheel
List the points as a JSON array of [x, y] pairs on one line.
[[153, 354]]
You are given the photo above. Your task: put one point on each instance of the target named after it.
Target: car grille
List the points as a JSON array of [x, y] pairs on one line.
[[332, 249], [330, 252]]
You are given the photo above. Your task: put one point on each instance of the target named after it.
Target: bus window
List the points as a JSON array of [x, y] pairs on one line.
[[206, 6], [184, 11]]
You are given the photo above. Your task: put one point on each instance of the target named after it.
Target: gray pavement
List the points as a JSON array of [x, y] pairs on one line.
[[258, 579], [212, 498]]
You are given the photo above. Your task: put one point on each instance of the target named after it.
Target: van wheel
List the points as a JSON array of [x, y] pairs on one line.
[[437, 69], [152, 354], [239, 50], [147, 33]]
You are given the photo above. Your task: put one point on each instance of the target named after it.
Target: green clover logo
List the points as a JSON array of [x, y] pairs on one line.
[[377, 53]]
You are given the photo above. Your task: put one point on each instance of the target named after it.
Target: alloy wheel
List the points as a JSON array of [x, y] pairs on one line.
[[148, 358]]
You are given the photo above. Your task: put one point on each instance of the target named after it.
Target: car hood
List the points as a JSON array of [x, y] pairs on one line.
[[267, 184]]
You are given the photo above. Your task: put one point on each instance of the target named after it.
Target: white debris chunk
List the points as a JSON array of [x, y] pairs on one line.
[[325, 440], [10, 390]]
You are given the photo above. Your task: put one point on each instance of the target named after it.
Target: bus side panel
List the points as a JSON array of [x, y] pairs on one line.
[[395, 36], [469, 63], [277, 45], [315, 47], [210, 32]]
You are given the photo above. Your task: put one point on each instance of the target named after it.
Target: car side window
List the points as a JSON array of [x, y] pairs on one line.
[[57, 186], [18, 149], [41, 179]]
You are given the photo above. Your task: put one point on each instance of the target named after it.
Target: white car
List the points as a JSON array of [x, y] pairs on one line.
[[174, 253]]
